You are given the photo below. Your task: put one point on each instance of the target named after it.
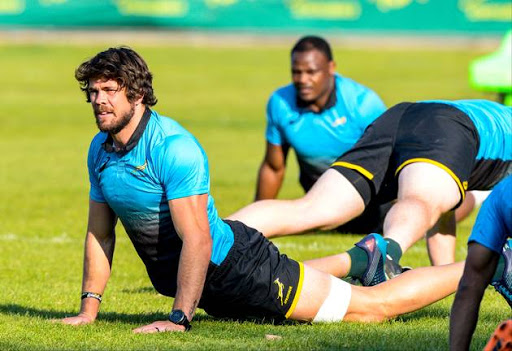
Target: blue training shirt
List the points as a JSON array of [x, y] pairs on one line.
[[320, 138], [494, 222], [493, 121], [163, 162]]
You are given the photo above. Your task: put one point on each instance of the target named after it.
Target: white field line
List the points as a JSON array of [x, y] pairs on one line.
[[60, 239], [63, 238]]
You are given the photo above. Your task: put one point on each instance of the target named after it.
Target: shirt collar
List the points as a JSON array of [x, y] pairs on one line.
[[331, 101], [108, 145]]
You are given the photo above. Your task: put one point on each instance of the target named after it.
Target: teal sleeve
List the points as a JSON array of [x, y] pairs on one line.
[[274, 111], [494, 221], [95, 192], [182, 167]]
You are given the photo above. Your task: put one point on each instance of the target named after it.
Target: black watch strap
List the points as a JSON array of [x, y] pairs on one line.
[[180, 318]]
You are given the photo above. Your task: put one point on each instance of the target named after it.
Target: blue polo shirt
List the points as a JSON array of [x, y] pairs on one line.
[[161, 162], [494, 222], [493, 121], [320, 138]]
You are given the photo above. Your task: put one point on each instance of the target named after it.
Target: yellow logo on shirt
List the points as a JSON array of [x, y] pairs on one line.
[[339, 121], [141, 168]]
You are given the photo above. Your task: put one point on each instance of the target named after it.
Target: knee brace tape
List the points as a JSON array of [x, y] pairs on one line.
[[336, 303]]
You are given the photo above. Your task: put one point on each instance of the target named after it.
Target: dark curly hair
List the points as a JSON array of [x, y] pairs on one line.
[[123, 65], [312, 42]]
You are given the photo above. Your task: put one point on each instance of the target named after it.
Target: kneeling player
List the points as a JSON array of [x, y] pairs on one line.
[[488, 239]]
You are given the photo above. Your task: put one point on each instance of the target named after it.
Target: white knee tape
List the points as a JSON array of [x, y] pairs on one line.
[[336, 303]]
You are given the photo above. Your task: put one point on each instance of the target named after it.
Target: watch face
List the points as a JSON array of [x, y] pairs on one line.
[[177, 317]]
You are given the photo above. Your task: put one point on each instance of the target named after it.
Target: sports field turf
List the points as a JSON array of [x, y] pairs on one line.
[[219, 94]]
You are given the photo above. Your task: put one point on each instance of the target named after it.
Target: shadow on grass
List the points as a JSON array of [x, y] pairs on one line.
[[24, 311], [431, 312], [140, 318], [19, 310], [443, 314]]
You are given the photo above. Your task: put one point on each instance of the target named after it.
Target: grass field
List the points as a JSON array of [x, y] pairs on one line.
[[219, 94]]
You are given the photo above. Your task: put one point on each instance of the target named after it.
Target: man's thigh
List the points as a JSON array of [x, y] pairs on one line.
[[429, 183]]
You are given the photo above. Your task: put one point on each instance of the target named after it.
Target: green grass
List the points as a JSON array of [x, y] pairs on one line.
[[219, 94]]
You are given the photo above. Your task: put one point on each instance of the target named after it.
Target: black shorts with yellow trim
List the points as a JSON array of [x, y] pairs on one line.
[[253, 281], [435, 133]]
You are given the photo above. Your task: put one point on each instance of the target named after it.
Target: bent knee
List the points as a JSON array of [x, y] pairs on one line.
[[431, 210]]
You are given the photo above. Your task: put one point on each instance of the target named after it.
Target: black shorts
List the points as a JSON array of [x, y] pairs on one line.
[[406, 133], [253, 281]]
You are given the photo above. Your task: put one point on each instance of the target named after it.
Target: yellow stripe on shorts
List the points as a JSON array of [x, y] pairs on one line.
[[297, 293], [360, 169], [462, 186]]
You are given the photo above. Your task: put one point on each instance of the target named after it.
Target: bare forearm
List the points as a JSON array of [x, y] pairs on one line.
[[97, 263], [478, 271], [269, 182], [464, 316], [194, 261]]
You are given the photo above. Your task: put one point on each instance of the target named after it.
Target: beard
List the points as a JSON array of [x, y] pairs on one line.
[[118, 124]]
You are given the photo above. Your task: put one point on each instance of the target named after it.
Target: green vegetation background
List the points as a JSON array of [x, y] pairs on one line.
[[219, 93]]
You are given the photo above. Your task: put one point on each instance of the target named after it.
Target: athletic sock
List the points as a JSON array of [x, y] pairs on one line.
[[394, 250], [359, 262], [499, 269]]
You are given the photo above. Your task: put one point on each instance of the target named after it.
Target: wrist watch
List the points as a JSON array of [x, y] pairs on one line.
[[178, 317]]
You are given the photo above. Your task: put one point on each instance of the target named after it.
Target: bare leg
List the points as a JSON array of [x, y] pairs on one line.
[[473, 200], [466, 207], [408, 292], [425, 191], [332, 201], [336, 265], [315, 289], [441, 240]]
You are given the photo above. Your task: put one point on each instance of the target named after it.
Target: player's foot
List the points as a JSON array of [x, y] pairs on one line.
[[381, 267], [504, 284]]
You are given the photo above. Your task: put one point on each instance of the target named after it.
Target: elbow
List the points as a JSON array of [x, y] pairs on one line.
[[203, 244], [272, 167], [208, 246], [469, 292]]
